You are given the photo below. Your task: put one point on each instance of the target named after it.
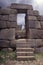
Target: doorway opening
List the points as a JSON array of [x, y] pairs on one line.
[[21, 30]]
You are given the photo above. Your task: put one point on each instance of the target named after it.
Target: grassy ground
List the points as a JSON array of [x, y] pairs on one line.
[[9, 58], [4, 56], [39, 55]]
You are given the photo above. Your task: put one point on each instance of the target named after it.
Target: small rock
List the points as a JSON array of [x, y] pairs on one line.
[[10, 49]]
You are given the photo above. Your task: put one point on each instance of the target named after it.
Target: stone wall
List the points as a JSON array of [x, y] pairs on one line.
[[35, 30], [8, 25]]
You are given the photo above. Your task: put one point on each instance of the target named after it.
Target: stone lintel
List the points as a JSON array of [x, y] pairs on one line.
[[21, 6]]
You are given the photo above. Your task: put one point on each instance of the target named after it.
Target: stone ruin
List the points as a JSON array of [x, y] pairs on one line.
[[33, 27]]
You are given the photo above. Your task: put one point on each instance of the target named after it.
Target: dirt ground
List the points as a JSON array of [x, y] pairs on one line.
[[35, 62]]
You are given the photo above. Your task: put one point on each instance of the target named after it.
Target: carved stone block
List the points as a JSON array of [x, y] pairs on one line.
[[11, 24], [21, 6], [5, 17], [7, 34], [12, 17], [4, 43], [36, 34], [32, 18]]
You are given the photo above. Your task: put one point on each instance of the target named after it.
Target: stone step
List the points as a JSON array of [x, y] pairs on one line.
[[25, 54], [25, 57], [26, 45], [23, 46], [20, 44], [24, 49], [21, 41]]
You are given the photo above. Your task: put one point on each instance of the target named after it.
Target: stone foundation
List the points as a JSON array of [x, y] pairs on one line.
[[8, 25]]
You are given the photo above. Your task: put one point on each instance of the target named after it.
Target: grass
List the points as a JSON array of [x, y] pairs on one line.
[[7, 55], [39, 55], [4, 56]]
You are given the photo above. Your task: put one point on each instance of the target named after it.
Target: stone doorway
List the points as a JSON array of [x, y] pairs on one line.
[[21, 29]]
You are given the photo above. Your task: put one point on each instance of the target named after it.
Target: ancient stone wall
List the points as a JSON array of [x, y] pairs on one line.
[[35, 27], [7, 27], [8, 24]]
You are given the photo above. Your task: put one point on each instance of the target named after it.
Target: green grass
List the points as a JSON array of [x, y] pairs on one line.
[[39, 55], [7, 55]]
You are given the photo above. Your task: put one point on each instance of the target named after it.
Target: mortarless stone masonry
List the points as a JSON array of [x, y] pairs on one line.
[[8, 27]]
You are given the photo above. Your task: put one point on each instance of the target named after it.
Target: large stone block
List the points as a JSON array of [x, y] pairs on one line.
[[8, 11], [7, 24], [5, 17], [5, 11], [0, 10], [13, 43], [31, 24], [39, 50], [41, 22], [36, 13], [7, 34], [30, 12], [3, 24], [21, 6], [39, 42], [41, 18], [38, 18], [35, 42], [34, 24], [11, 24], [31, 42], [13, 11], [12, 17], [32, 33], [0, 17], [4, 43], [40, 34], [31, 18], [36, 34], [37, 24]]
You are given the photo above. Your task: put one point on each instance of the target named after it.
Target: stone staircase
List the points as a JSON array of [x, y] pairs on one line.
[[23, 51]]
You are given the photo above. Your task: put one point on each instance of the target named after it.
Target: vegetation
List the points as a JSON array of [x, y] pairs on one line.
[[39, 55], [4, 56]]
